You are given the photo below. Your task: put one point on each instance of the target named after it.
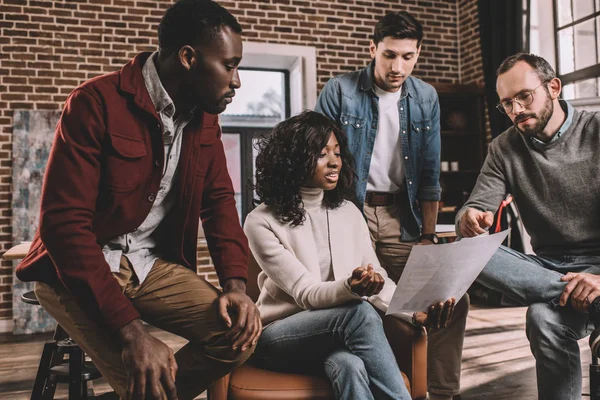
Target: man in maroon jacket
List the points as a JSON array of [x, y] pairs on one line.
[[136, 162]]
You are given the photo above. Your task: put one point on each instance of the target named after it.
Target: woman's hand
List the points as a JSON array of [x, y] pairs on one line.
[[438, 316], [365, 281]]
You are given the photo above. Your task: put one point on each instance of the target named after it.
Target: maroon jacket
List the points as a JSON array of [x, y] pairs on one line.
[[102, 177]]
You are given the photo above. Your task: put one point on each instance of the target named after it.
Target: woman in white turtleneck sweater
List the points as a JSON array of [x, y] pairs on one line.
[[320, 274]]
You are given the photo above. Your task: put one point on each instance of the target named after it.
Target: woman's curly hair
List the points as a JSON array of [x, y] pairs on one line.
[[288, 158]]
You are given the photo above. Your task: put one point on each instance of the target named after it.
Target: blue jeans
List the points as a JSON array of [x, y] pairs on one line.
[[552, 330], [346, 343]]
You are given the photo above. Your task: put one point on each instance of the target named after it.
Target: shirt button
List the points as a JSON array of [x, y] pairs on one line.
[[401, 108], [151, 197], [418, 129], [410, 182], [403, 131], [406, 157], [156, 163]]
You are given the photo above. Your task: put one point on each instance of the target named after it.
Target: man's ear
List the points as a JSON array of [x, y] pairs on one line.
[[187, 57], [372, 48], [554, 87]]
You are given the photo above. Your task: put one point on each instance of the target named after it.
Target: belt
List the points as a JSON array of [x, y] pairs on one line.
[[383, 198]]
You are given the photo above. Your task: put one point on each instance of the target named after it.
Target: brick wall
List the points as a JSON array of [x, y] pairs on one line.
[[47, 47], [471, 63]]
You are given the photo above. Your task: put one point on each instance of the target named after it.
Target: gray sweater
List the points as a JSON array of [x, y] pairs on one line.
[[556, 187]]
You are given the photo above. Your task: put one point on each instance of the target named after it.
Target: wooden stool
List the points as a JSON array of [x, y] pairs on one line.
[[55, 367]]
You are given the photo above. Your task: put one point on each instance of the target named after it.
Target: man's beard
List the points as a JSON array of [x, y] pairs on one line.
[[542, 119]]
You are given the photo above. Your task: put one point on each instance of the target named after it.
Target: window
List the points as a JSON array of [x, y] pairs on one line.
[[576, 28], [263, 99], [261, 102], [290, 70]]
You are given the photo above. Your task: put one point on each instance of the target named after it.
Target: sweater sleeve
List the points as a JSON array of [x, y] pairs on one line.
[[288, 273]]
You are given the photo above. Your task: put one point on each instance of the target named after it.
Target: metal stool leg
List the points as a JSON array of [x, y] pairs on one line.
[[43, 370], [76, 359], [50, 388]]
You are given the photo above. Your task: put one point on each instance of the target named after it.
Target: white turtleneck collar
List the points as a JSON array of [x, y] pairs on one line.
[[311, 197]]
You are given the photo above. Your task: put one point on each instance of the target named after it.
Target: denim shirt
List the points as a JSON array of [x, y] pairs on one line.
[[349, 100]]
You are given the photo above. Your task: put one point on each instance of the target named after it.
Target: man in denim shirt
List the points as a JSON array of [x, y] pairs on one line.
[[392, 121]]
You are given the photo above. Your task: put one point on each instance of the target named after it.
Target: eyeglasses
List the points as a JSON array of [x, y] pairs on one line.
[[524, 99]]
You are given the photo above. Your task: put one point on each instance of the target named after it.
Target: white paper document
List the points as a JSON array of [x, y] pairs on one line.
[[436, 273]]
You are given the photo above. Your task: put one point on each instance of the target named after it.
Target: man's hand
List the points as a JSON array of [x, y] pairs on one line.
[[474, 222], [582, 289], [149, 362], [235, 303], [365, 281], [438, 316]]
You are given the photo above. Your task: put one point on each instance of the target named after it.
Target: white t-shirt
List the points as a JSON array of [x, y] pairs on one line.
[[386, 173]]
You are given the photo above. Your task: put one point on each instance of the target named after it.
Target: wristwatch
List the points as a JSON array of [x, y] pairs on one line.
[[414, 319], [432, 237]]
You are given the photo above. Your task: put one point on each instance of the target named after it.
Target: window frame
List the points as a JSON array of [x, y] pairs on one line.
[[590, 72], [287, 98], [247, 136]]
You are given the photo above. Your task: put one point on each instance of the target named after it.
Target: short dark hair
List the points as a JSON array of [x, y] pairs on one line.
[[288, 158], [193, 22], [542, 68], [399, 25]]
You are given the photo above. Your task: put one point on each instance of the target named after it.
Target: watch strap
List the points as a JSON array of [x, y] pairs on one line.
[[432, 237]]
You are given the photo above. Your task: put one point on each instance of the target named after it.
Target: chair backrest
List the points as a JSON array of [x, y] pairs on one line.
[[252, 289]]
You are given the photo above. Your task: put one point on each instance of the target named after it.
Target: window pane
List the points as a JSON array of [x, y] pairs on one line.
[[585, 89], [582, 8], [585, 44], [566, 56], [259, 102], [564, 12], [534, 27], [598, 30], [231, 143], [534, 18], [534, 41], [254, 155], [568, 92]]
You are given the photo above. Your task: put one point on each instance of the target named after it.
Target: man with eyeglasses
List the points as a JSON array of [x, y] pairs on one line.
[[549, 161]]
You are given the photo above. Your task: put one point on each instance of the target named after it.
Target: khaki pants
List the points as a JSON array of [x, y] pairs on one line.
[[444, 346], [172, 298]]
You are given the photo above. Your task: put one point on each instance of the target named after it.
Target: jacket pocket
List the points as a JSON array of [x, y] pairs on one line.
[[420, 131], [123, 163], [354, 128]]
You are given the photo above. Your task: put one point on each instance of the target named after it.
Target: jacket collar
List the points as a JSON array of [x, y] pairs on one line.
[[131, 80], [367, 76]]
